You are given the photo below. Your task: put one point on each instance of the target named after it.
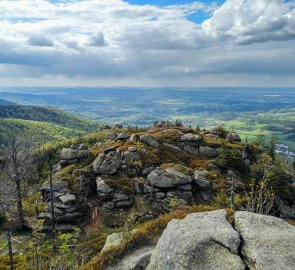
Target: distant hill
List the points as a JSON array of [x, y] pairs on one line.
[[46, 114], [46, 123], [42, 131], [5, 102]]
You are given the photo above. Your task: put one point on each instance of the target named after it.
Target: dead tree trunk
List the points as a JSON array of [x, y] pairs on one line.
[[10, 250], [19, 212]]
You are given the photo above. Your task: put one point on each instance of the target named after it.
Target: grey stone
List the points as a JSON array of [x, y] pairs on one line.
[[124, 203], [118, 196], [146, 171], [102, 187], [68, 199], [137, 259], [166, 178], [191, 149], [149, 140], [191, 137], [208, 152], [61, 205], [163, 124], [69, 153], [112, 240], [110, 136], [172, 146], [74, 154], [268, 242], [236, 178], [142, 188], [200, 241], [123, 136], [107, 163], [69, 217], [82, 154], [215, 136], [200, 179], [131, 157]]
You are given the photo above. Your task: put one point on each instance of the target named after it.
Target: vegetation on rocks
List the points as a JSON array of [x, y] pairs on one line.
[[135, 181]]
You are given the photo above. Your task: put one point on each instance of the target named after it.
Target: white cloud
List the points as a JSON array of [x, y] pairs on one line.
[[253, 21], [111, 42]]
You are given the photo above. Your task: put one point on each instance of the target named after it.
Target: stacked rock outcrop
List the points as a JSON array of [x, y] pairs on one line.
[[66, 208]]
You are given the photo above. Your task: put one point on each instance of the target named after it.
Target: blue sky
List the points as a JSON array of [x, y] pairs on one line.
[[147, 43], [197, 17]]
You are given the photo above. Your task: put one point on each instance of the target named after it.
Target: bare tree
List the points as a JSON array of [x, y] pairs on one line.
[[18, 155]]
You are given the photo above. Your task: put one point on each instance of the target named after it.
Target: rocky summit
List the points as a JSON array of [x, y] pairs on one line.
[[135, 198]]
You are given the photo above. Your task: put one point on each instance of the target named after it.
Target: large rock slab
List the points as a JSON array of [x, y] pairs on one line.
[[204, 241], [268, 242], [167, 178], [107, 163]]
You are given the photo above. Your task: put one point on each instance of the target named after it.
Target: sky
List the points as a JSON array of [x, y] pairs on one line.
[[141, 43]]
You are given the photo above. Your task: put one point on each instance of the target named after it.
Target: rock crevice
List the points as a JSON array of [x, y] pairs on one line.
[[208, 241]]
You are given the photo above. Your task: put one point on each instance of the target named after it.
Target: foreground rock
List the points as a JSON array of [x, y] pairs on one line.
[[268, 242], [200, 241]]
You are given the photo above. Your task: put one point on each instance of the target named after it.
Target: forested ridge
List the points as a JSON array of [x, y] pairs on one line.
[[45, 114]]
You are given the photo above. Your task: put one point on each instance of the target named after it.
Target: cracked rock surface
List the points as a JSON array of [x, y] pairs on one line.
[[208, 241], [200, 241], [268, 242]]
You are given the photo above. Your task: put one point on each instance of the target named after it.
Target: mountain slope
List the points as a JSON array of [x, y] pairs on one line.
[[43, 131], [44, 123], [46, 114]]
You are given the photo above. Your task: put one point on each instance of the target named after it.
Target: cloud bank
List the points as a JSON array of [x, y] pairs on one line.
[[114, 43]]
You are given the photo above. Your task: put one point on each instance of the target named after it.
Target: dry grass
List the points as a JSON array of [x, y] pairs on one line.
[[145, 234], [291, 221]]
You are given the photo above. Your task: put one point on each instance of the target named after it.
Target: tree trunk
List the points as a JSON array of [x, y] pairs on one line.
[[20, 214], [10, 250]]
